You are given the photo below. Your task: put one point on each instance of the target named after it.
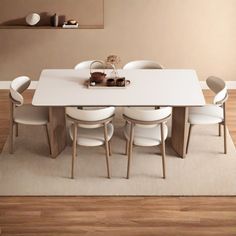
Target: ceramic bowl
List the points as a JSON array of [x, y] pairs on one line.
[[32, 19]]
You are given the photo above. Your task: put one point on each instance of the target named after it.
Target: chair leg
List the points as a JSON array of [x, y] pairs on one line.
[[17, 130], [220, 130], [107, 151], [126, 147], [74, 151], [11, 129], [48, 139], [109, 145], [11, 137], [163, 154], [131, 140], [163, 151], [225, 138], [189, 134]]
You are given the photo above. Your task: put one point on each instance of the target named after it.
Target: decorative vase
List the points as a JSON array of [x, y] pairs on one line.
[[55, 20], [114, 73]]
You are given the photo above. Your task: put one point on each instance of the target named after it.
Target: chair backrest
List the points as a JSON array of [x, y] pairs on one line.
[[92, 116], [218, 86], [17, 87], [86, 65], [147, 115], [142, 64]]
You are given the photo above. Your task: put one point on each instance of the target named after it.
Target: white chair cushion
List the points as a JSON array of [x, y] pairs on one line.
[[92, 137], [146, 136], [147, 115], [90, 115], [30, 115], [209, 114]]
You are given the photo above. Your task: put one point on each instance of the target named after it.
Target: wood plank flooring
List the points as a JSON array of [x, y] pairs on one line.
[[117, 216]]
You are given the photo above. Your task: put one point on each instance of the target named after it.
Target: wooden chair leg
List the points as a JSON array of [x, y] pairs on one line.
[[225, 139], [225, 129], [48, 139], [11, 129], [163, 151], [189, 134], [131, 140], [220, 130], [107, 151], [11, 137], [74, 150], [109, 145], [17, 130], [126, 147]]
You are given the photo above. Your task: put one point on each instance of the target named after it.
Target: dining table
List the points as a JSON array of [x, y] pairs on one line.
[[61, 88]]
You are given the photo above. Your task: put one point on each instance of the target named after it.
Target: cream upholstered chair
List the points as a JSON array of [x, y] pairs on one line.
[[24, 114], [213, 113], [86, 65], [146, 128], [142, 64], [91, 128]]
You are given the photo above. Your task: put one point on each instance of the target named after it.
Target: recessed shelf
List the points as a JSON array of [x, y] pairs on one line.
[[51, 27]]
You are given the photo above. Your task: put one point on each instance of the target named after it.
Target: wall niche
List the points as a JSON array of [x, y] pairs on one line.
[[88, 13]]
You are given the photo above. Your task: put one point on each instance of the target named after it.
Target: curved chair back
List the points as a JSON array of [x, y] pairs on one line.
[[17, 87], [141, 116], [86, 65], [218, 86], [142, 64], [90, 118]]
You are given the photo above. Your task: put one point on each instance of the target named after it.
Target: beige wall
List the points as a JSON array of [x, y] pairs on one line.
[[198, 34]]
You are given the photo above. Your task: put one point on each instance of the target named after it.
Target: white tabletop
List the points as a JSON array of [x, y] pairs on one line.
[[148, 88]]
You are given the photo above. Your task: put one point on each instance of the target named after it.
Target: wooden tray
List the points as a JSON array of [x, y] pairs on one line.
[[105, 86]]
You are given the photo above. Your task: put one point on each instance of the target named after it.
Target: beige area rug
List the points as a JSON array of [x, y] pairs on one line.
[[205, 171]]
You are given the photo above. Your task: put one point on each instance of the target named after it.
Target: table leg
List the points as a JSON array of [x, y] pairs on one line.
[[179, 130], [57, 130]]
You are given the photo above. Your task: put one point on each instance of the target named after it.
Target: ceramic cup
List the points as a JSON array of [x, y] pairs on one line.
[[111, 82], [120, 82]]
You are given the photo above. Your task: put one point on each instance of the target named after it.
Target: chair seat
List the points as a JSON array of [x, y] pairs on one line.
[[147, 137], [92, 137], [31, 115], [209, 114]]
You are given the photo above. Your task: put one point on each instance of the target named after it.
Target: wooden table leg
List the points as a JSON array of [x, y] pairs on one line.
[[179, 130], [57, 130]]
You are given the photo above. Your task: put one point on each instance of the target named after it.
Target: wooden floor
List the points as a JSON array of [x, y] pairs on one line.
[[117, 216]]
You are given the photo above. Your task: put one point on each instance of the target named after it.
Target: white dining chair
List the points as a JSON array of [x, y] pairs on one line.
[[91, 128], [212, 113], [86, 65], [24, 114], [142, 64], [146, 128]]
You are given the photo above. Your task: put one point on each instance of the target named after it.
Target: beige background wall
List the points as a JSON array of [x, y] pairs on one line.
[[198, 34]]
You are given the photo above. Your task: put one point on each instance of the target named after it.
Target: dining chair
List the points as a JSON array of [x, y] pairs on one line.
[[142, 64], [211, 113], [24, 114], [91, 128], [86, 65], [146, 128]]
